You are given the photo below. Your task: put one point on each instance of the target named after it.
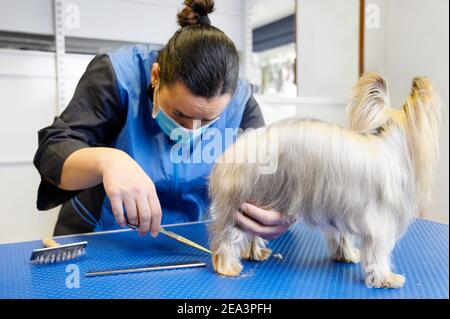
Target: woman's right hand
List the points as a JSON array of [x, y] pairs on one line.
[[127, 185]]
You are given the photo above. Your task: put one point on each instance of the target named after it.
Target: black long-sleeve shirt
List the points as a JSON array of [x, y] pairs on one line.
[[93, 118]]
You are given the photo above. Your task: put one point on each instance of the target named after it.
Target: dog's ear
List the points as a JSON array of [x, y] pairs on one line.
[[423, 105], [422, 114], [367, 110]]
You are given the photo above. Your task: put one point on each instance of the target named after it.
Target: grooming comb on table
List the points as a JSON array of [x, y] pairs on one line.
[[146, 268], [54, 252]]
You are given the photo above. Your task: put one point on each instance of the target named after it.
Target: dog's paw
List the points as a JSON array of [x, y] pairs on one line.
[[349, 255], [225, 266], [389, 281], [257, 254], [261, 254]]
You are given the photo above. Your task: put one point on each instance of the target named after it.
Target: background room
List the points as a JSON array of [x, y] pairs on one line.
[[302, 56]]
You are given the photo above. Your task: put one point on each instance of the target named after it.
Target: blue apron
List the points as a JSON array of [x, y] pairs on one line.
[[180, 178]]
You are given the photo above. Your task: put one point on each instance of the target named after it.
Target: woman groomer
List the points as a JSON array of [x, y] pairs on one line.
[[108, 155]]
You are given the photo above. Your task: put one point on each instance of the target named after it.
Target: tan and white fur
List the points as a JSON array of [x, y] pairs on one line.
[[363, 184]]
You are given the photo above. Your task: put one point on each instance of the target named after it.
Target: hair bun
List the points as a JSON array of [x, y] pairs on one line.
[[195, 12]]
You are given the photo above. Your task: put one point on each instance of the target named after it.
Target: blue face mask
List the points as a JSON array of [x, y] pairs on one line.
[[174, 130]]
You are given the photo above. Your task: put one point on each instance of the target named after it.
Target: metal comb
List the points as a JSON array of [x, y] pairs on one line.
[[146, 268]]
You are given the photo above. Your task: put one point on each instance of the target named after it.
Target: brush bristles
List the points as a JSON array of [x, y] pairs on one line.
[[58, 254]]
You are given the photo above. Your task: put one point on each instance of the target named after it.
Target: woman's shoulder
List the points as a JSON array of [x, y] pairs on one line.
[[136, 57], [134, 50], [132, 65], [244, 91]]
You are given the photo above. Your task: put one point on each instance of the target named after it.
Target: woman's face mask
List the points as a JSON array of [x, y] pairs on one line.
[[172, 128]]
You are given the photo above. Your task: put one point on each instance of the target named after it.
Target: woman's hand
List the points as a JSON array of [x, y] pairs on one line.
[[267, 224], [127, 185]]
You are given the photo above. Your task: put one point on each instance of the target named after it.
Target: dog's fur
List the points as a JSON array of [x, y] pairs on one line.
[[364, 183]]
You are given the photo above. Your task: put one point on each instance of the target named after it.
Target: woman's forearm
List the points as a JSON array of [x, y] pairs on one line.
[[126, 184], [83, 168]]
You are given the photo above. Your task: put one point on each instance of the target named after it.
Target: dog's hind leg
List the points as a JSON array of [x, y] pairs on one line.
[[342, 247], [256, 250], [376, 251]]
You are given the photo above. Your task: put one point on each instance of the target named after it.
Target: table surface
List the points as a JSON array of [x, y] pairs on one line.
[[305, 271]]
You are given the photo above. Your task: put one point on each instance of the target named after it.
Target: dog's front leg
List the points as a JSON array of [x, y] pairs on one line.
[[227, 247], [256, 250]]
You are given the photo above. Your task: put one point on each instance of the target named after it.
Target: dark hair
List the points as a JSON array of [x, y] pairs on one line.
[[199, 55]]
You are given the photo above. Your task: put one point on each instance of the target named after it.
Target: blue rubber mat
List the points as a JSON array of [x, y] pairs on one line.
[[304, 272]]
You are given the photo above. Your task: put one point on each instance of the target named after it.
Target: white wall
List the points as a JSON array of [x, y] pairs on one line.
[[148, 21], [413, 39], [28, 91], [327, 33], [30, 16], [262, 16], [327, 55], [329, 110]]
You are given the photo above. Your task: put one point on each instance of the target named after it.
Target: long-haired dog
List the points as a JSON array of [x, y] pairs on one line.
[[362, 185]]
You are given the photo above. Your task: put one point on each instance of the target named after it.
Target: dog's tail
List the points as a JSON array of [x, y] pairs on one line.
[[422, 113], [369, 103]]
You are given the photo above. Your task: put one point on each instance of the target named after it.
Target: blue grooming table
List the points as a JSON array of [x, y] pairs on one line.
[[305, 271]]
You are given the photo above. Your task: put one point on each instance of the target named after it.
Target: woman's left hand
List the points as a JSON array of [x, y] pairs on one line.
[[267, 224]]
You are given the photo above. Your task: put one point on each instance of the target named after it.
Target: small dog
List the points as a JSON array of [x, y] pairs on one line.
[[362, 185]]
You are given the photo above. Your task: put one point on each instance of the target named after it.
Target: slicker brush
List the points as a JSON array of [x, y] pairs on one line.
[[54, 252]]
